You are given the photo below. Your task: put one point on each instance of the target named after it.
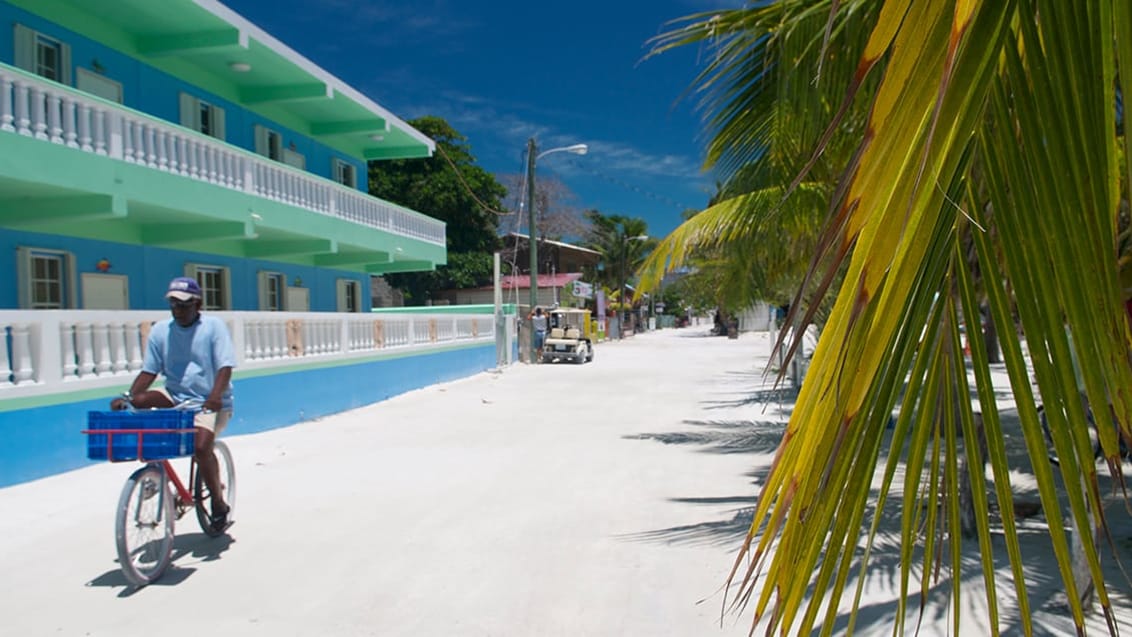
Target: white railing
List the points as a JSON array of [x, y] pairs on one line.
[[35, 107], [52, 351]]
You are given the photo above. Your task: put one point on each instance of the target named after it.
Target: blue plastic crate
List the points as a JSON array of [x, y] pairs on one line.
[[176, 441]]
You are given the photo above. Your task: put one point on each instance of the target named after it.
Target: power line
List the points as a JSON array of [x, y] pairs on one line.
[[678, 205]]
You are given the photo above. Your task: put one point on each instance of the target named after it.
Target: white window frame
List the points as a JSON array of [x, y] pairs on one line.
[[191, 109], [30, 294], [344, 172], [26, 47], [346, 288], [272, 291], [215, 284], [268, 142]]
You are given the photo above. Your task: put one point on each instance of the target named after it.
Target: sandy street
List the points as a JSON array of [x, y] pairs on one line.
[[605, 500], [597, 499]]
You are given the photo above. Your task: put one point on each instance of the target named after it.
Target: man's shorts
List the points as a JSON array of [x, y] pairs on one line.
[[214, 421]]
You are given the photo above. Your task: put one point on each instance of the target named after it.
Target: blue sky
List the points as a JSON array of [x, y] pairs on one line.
[[503, 71]]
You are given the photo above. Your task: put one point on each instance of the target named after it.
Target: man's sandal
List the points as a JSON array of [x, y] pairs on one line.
[[220, 520]]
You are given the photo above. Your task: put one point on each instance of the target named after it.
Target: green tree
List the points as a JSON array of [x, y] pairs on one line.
[[967, 136], [448, 186], [623, 243]]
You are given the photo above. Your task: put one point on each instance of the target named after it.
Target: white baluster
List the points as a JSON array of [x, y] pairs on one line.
[[181, 166], [54, 117], [84, 128], [119, 361], [310, 338], [194, 159], [39, 112], [129, 141], [85, 352], [70, 124], [23, 370], [230, 170], [162, 138], [99, 117], [7, 114], [278, 339], [101, 349], [133, 347], [254, 345], [23, 116], [5, 366], [67, 350], [150, 147]]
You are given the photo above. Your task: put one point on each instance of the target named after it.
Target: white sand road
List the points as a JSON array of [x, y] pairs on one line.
[[599, 499]]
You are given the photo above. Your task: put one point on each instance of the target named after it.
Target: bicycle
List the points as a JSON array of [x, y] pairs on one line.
[[154, 496]]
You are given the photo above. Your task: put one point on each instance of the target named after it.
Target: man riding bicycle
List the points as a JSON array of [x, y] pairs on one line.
[[195, 355]]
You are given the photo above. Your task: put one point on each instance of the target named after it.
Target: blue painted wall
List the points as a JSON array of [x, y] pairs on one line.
[[160, 96], [150, 268], [46, 440]]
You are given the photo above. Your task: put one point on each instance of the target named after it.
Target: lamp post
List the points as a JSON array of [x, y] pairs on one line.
[[577, 149]]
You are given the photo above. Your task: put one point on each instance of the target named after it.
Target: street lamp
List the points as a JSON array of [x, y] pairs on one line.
[[577, 149], [625, 278]]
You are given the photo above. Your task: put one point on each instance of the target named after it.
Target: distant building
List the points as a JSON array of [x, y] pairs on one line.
[[553, 256]]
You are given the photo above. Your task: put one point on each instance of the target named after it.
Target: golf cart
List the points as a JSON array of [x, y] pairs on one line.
[[569, 336]]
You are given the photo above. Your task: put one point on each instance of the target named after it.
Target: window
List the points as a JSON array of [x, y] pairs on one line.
[[268, 143], [46, 279], [41, 54], [202, 116], [215, 284], [345, 173], [349, 296], [272, 291]]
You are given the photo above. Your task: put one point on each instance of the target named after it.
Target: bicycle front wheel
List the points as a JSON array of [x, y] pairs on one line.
[[143, 529], [203, 497]]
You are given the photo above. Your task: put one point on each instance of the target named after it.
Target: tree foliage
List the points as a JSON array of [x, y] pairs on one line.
[[942, 139], [624, 244], [558, 219], [448, 186]]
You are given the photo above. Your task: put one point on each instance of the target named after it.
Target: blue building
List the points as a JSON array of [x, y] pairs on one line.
[[144, 140]]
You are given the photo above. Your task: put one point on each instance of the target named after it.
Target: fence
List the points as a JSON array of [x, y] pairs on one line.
[[50, 351]]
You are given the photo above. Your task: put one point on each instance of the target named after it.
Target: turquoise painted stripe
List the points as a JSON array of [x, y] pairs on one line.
[[45, 440]]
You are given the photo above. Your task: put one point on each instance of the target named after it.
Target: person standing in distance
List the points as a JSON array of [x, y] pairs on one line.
[[195, 355]]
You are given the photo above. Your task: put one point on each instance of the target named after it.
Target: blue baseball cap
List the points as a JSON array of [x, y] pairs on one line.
[[183, 288]]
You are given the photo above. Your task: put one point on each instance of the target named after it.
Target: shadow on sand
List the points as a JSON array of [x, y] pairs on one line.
[[730, 518], [198, 546]]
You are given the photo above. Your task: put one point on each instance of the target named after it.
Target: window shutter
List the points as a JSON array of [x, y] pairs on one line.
[[23, 277], [262, 281], [342, 289], [218, 123], [262, 145], [190, 116], [65, 62], [70, 282], [226, 277], [24, 48]]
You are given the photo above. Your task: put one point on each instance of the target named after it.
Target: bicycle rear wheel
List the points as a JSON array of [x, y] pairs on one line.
[[202, 497], [143, 529]]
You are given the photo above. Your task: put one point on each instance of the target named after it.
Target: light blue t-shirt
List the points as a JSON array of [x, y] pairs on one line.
[[189, 357]]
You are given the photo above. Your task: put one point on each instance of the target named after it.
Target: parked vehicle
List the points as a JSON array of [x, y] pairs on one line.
[[569, 337]]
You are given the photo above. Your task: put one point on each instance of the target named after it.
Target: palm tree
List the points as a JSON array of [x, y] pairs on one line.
[[623, 243], [993, 140]]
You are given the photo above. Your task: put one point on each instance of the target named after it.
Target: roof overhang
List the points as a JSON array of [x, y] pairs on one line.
[[210, 46]]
